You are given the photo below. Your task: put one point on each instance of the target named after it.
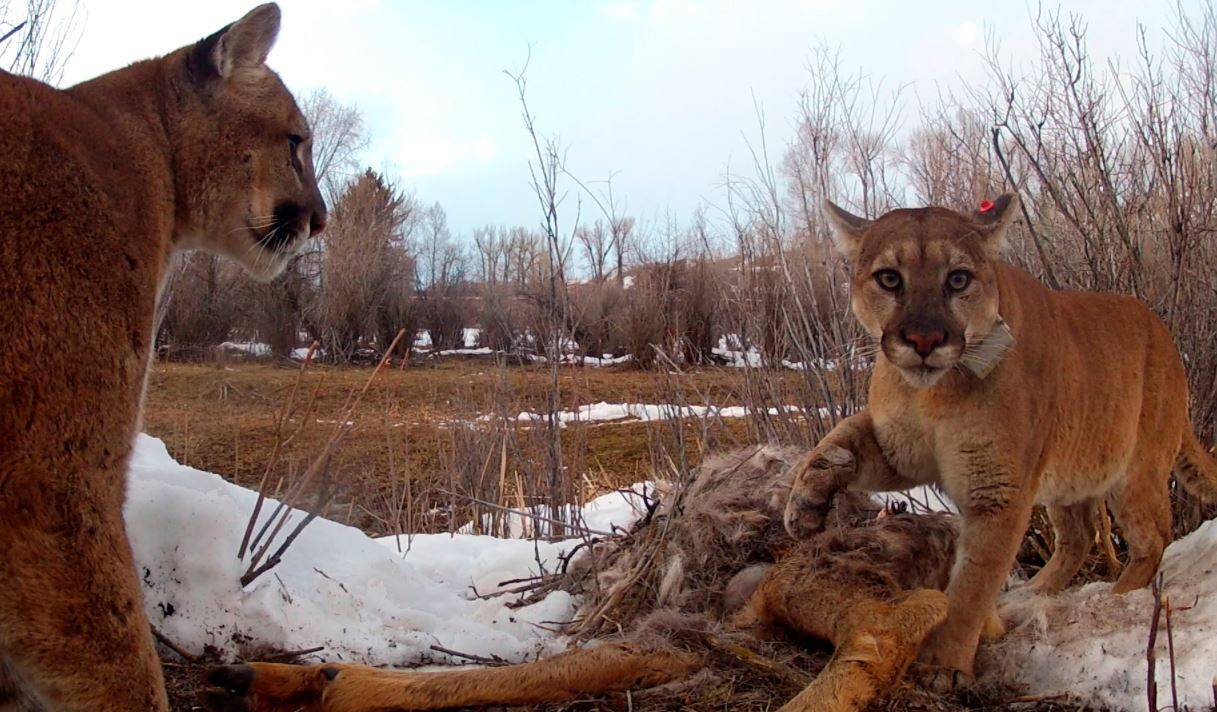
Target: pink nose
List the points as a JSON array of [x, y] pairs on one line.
[[924, 342], [317, 223]]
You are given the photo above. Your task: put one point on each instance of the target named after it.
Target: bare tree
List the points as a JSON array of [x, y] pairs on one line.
[[597, 243], [442, 268], [38, 37], [366, 269], [339, 137]]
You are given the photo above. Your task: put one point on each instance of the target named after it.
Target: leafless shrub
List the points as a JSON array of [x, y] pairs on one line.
[[38, 37], [596, 307], [365, 266], [201, 312], [644, 326]]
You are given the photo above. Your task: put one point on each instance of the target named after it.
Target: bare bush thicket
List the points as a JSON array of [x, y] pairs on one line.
[[204, 311], [442, 280], [506, 270], [366, 270]]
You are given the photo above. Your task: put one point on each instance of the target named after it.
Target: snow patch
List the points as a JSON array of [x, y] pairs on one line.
[[604, 412], [335, 586], [252, 348], [1091, 643]]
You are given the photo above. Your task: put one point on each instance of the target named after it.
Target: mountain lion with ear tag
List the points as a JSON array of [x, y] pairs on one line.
[[1006, 394], [203, 148]]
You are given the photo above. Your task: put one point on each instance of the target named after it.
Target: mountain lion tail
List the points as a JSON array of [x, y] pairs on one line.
[[1196, 469]]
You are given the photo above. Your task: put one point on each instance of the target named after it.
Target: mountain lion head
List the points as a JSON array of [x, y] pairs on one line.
[[923, 281], [243, 162]]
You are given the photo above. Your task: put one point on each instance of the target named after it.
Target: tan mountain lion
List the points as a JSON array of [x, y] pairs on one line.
[[1006, 394], [99, 183]]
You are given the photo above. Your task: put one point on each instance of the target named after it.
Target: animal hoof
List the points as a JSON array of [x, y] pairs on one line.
[[941, 680], [228, 687], [235, 678]]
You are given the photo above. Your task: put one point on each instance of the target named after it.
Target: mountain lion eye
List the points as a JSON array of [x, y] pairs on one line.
[[889, 279], [959, 280]]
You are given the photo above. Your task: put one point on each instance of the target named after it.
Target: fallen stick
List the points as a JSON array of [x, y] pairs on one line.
[[292, 654], [165, 641], [495, 661], [793, 677]]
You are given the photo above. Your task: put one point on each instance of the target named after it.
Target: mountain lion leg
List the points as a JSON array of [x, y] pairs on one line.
[[270, 687], [993, 628], [849, 456], [987, 547], [88, 646], [1142, 510], [1074, 530]]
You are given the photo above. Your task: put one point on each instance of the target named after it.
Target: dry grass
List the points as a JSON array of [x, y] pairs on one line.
[[220, 418]]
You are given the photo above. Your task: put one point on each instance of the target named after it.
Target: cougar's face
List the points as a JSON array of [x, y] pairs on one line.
[[923, 283], [250, 152]]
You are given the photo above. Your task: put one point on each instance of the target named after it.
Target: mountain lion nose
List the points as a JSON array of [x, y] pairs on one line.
[[924, 342], [317, 223]]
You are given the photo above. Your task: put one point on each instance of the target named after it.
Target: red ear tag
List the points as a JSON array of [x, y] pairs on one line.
[[986, 206]]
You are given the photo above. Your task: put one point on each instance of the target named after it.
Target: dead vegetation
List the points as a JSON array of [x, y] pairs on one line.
[[419, 437]]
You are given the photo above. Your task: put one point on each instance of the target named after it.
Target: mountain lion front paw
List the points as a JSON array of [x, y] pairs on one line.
[[822, 473]]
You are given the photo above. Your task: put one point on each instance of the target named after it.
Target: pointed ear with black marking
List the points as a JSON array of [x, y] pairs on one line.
[[993, 219], [244, 44], [847, 229]]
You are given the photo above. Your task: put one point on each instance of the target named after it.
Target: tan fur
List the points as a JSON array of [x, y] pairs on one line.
[[1089, 404], [98, 184], [874, 592], [269, 687]]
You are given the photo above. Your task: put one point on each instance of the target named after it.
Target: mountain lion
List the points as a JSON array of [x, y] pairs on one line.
[[99, 183], [1006, 394]]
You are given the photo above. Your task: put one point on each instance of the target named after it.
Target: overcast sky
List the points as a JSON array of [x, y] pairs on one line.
[[659, 92]]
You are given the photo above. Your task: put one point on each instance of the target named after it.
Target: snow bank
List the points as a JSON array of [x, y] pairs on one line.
[[730, 348], [608, 514], [335, 586], [604, 412], [590, 361], [252, 348], [1091, 643]]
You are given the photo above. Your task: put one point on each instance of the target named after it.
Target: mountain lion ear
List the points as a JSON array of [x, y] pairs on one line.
[[992, 220], [242, 45], [847, 229]]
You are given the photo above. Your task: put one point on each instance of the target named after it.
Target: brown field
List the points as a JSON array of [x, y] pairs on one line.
[[412, 429]]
